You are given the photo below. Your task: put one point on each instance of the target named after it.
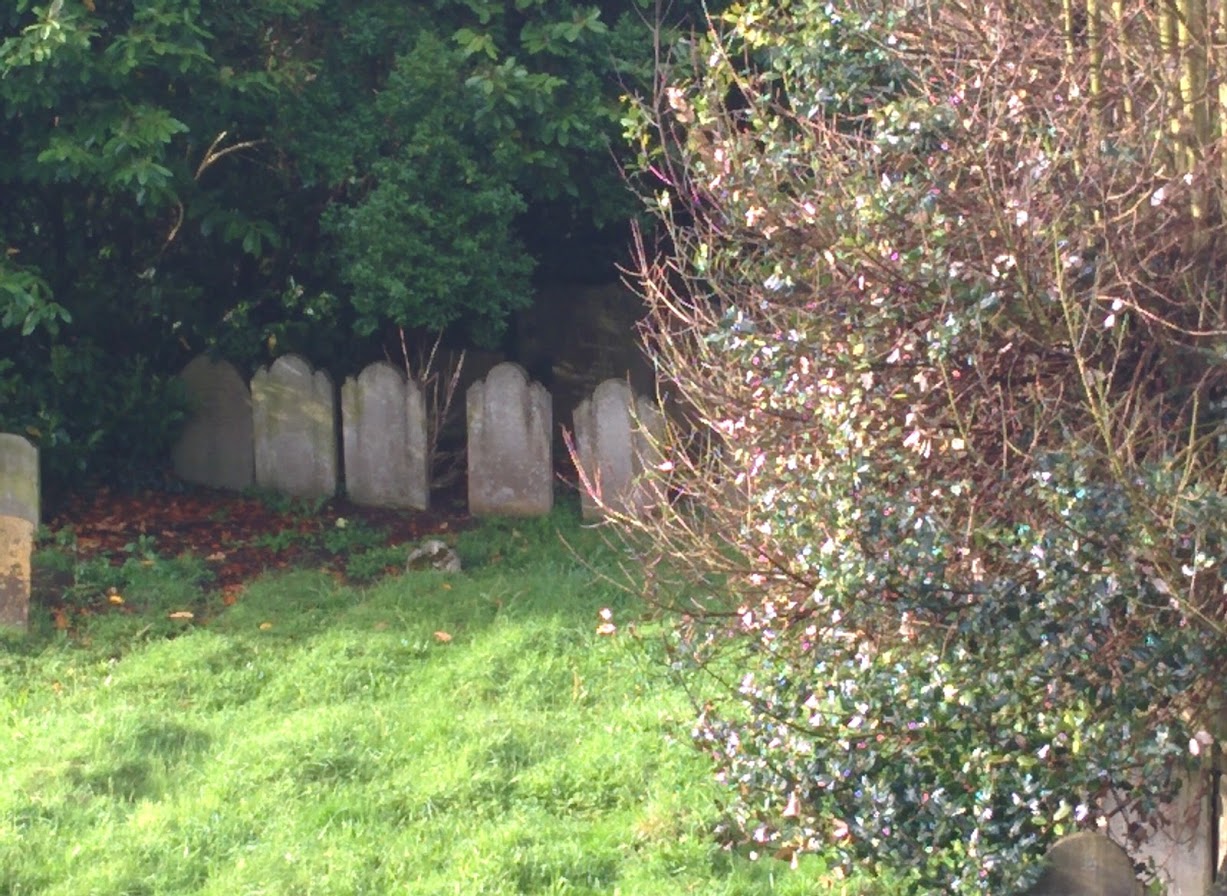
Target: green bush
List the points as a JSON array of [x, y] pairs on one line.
[[93, 414], [952, 526]]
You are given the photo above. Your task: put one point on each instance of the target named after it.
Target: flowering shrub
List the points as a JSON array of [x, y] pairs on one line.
[[946, 316]]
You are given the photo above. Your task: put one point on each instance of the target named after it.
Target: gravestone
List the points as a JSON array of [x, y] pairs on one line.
[[216, 446], [383, 420], [510, 461], [19, 516], [615, 437], [295, 426], [1087, 864], [1181, 848]]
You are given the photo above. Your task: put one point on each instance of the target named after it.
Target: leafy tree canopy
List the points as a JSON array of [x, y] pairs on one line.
[[259, 176]]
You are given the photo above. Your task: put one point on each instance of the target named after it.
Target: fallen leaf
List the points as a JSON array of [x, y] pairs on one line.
[[265, 626], [116, 599], [447, 586], [217, 557], [182, 614], [442, 637]]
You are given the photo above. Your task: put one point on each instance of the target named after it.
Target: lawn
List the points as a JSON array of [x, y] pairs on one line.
[[469, 733]]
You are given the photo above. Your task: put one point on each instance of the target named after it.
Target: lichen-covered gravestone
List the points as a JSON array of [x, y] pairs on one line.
[[1087, 864], [19, 489], [510, 462], [383, 419], [615, 437], [295, 426], [215, 448]]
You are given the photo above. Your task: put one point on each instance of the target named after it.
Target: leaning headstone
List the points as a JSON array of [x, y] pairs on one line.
[[510, 464], [616, 434], [383, 420], [19, 489], [1087, 864], [215, 448], [294, 417]]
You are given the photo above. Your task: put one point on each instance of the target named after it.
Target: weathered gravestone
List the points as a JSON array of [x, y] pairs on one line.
[[19, 489], [1087, 864], [216, 446], [615, 437], [510, 461], [1181, 848], [294, 421], [383, 418]]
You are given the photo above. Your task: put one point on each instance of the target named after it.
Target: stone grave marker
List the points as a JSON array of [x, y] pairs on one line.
[[1087, 864], [615, 435], [509, 445], [216, 446], [294, 422], [19, 517], [383, 421], [1181, 846]]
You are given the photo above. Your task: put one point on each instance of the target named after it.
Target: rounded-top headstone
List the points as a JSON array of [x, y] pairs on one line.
[[294, 417], [1087, 864], [509, 444], [384, 426], [215, 448]]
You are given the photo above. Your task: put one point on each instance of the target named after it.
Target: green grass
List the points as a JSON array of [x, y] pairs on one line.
[[319, 739]]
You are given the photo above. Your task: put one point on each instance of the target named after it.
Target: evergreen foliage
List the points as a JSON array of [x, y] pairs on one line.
[[947, 314], [280, 175]]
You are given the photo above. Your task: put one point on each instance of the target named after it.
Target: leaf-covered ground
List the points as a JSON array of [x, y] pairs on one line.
[[236, 537]]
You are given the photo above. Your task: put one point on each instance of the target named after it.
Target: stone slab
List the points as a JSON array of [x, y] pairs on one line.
[[216, 446], [509, 444], [1087, 864], [616, 434], [16, 547], [19, 478], [1180, 848], [383, 423], [295, 427]]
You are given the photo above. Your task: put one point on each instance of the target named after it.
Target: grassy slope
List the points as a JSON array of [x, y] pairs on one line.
[[317, 739]]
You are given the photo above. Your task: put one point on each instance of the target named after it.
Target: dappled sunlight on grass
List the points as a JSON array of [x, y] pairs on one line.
[[319, 738]]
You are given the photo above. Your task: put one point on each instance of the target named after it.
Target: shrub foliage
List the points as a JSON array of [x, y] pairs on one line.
[[941, 298]]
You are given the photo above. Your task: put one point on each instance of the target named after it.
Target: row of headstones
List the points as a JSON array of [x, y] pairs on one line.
[[281, 435]]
